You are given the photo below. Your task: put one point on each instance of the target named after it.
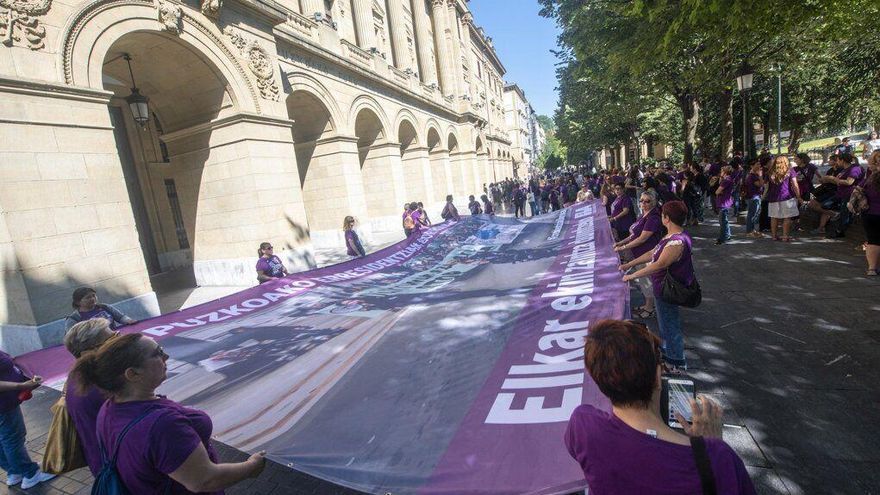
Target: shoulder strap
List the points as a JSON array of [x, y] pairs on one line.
[[124, 432], [704, 466]]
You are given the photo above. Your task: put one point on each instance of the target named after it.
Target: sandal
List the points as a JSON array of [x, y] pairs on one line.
[[787, 239], [671, 369], [778, 239], [871, 273]]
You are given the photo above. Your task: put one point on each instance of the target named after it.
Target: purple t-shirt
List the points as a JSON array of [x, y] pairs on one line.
[[98, 312], [780, 191], [83, 410], [9, 372], [622, 202], [804, 176], [351, 238], [617, 458], [725, 199], [488, 208], [649, 222], [872, 193], [158, 445], [714, 169], [752, 191], [853, 172], [271, 266], [416, 218], [681, 270]]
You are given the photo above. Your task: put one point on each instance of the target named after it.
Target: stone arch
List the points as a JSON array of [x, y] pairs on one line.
[[369, 103], [381, 169], [452, 143], [406, 116], [89, 35], [175, 207], [478, 146], [302, 81]]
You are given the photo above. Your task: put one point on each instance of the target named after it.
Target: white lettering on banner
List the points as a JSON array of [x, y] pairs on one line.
[[571, 292], [557, 229], [293, 288], [534, 410]]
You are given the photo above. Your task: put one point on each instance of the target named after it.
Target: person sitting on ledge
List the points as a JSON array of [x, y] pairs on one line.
[[168, 448], [86, 307], [269, 266], [631, 449]]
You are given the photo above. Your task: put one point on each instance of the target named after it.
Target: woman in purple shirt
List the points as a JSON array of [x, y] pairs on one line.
[[784, 197], [352, 241], [621, 212], [631, 449], [724, 203], [672, 254], [269, 266], [871, 217], [644, 236], [83, 407], [168, 448]]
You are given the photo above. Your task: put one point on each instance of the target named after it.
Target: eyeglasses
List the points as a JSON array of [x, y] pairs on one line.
[[269, 248], [159, 353], [645, 201]]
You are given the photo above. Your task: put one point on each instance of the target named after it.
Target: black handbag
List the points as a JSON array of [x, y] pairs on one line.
[[675, 292]]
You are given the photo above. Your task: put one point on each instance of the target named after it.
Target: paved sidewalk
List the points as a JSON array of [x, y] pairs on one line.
[[787, 339]]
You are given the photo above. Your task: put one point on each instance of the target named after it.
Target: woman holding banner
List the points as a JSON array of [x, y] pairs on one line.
[[672, 255], [169, 446]]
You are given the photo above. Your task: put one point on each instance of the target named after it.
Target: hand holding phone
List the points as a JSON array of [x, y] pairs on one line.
[[706, 417], [677, 396]]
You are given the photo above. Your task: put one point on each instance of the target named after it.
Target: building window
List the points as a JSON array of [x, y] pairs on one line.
[[171, 190], [163, 148]]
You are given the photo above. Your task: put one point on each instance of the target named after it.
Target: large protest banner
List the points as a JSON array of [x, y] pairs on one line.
[[446, 364]]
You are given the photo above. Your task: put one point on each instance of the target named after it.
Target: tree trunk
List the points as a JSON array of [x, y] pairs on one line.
[[690, 110], [766, 125], [794, 140], [727, 124]]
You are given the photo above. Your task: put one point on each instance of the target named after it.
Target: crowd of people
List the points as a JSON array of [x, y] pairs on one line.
[[111, 395]]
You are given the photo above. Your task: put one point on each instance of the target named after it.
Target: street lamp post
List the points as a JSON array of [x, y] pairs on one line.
[[138, 103], [636, 134], [779, 109], [744, 84]]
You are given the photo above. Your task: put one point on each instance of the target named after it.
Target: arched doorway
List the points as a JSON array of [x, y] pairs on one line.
[[163, 159], [458, 181], [484, 172]]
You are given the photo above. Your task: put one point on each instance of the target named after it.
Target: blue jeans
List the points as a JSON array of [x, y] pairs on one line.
[[724, 223], [672, 340], [14, 458], [753, 215], [534, 207]]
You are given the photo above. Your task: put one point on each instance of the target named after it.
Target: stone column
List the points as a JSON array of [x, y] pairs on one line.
[[444, 56], [424, 42], [455, 43], [417, 168], [312, 6], [441, 174], [333, 189], [398, 35], [363, 23]]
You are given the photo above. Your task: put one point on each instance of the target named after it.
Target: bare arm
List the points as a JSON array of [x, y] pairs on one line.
[[28, 385], [668, 256], [641, 239], [199, 474], [645, 258], [262, 277]]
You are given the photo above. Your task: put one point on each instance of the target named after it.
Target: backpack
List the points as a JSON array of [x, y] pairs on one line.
[[108, 482], [408, 222]]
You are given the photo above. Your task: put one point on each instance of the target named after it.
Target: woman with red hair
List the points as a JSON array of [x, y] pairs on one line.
[[672, 254], [631, 449]]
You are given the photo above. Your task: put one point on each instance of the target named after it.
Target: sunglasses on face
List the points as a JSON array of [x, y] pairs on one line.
[[645, 201]]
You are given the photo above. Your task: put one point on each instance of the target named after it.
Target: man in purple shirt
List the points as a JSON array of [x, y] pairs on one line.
[[846, 181]]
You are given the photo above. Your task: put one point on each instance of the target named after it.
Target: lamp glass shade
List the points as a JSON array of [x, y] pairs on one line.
[[139, 105], [637, 134], [744, 81]]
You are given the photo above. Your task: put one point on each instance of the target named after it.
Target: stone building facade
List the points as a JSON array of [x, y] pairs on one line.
[[269, 120]]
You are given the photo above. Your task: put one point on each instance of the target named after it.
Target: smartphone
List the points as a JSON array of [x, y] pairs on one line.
[[675, 397]]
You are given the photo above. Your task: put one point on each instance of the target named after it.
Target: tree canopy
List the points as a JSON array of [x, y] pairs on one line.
[[667, 68]]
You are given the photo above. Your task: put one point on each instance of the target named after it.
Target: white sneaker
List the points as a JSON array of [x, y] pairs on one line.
[[13, 479], [36, 479]]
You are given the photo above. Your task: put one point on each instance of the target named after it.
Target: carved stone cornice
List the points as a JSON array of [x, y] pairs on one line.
[[170, 16]]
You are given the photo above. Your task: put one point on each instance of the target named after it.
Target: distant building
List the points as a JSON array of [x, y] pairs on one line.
[[520, 120]]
